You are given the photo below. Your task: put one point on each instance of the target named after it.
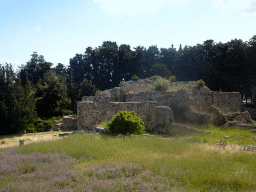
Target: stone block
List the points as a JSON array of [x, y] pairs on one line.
[[162, 115]]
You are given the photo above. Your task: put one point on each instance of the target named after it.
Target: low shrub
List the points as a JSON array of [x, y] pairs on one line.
[[31, 130], [123, 94], [57, 118], [126, 123], [67, 112], [172, 78], [162, 84], [200, 83], [135, 77], [40, 125], [155, 77], [122, 83]]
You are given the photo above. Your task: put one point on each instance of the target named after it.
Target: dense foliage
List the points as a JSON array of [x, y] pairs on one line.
[[126, 123], [39, 90]]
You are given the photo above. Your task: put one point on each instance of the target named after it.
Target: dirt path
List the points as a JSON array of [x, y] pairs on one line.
[[13, 140]]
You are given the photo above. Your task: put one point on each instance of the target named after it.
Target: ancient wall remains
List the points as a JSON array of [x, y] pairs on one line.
[[227, 102], [90, 113], [93, 109], [69, 123]]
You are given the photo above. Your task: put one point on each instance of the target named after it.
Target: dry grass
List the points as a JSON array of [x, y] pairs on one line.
[[13, 140]]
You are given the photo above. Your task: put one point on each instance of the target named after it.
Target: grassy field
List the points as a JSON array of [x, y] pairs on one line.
[[94, 162]]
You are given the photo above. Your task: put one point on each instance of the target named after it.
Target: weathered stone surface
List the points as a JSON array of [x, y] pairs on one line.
[[57, 125], [218, 117], [237, 124], [243, 117], [162, 116], [69, 123], [198, 118], [144, 102]]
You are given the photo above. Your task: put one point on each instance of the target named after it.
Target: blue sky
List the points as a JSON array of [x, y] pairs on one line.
[[60, 29]]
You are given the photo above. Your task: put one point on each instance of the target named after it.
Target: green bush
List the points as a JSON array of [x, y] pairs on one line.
[[40, 125], [123, 94], [135, 77], [122, 83], [67, 112], [200, 83], [155, 77], [31, 130], [126, 123], [172, 78], [56, 118], [162, 84]]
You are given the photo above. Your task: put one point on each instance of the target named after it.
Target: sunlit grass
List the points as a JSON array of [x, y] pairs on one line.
[[232, 135], [194, 162]]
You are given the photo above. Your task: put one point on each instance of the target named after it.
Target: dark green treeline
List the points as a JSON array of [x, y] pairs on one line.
[[39, 90]]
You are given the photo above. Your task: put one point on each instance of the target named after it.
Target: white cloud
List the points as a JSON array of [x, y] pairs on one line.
[[234, 5], [133, 7]]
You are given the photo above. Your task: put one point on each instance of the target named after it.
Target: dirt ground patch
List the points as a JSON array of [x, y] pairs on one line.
[[13, 140]]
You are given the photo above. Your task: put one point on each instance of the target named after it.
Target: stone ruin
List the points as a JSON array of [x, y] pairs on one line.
[[161, 111], [68, 123]]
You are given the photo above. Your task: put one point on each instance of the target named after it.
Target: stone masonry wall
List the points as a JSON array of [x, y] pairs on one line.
[[225, 101], [91, 113], [93, 109], [69, 123]]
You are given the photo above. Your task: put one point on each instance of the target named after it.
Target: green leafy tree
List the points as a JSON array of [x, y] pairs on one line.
[[86, 89], [152, 56], [18, 100], [140, 64], [34, 69], [160, 70], [107, 60], [60, 69], [126, 123], [53, 98], [3, 118], [73, 91]]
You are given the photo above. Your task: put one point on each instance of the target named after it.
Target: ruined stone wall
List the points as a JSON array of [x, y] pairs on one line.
[[201, 101], [91, 113], [91, 110], [69, 123], [225, 101], [148, 95], [178, 101]]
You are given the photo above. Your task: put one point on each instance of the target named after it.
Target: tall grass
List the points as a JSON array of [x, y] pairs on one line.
[[143, 163]]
